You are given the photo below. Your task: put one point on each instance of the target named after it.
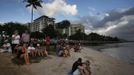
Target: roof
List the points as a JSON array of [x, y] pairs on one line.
[[44, 16]]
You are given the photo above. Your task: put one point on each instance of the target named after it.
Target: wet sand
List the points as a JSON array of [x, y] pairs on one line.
[[52, 65]]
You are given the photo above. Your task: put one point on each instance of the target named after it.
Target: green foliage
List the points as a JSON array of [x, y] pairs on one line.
[[10, 27], [37, 35], [78, 36], [97, 37], [1, 28], [33, 3], [50, 31], [92, 37], [63, 24]]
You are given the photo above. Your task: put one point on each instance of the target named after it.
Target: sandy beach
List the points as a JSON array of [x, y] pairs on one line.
[[101, 64]]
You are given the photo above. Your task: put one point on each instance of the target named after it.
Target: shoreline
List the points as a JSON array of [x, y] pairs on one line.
[[117, 50], [101, 64]]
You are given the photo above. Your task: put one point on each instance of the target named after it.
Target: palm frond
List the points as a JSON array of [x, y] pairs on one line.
[[34, 6], [34, 3], [28, 5], [38, 4]]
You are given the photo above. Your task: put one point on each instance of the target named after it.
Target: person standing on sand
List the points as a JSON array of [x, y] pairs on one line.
[[47, 42], [15, 40], [25, 38]]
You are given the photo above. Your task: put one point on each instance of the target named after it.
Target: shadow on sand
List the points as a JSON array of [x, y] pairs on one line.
[[20, 61]]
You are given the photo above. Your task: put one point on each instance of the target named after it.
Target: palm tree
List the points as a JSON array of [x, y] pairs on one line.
[[34, 4]]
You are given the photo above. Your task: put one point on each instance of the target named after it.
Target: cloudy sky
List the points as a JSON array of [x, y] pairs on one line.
[[107, 17]]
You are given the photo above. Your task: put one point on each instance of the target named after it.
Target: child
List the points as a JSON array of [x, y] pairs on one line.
[[31, 50]]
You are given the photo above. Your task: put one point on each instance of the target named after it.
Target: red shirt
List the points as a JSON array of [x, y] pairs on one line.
[[48, 40]]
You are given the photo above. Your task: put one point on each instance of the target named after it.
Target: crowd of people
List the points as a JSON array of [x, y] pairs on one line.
[[23, 46]]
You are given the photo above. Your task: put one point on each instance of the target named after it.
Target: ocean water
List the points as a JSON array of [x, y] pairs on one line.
[[122, 51]]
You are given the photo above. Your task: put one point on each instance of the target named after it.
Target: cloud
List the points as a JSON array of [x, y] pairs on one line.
[[92, 11], [120, 24], [115, 15], [124, 28], [89, 21], [114, 23], [1, 22], [58, 7], [106, 14], [111, 26]]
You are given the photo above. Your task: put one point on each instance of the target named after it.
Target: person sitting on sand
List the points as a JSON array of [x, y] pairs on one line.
[[68, 48], [31, 50], [86, 64], [83, 69], [25, 54], [77, 48], [75, 65], [7, 46], [66, 51], [60, 50], [39, 50], [58, 47], [19, 50], [45, 53]]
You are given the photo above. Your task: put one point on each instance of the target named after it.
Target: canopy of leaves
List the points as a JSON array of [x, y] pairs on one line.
[[37, 35], [10, 27], [92, 37], [78, 36], [33, 3], [50, 31], [63, 24], [97, 37]]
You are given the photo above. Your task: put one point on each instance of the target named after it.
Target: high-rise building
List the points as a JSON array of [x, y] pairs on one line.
[[40, 23], [75, 27], [72, 29]]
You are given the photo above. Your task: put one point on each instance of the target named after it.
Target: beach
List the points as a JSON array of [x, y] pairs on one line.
[[101, 64]]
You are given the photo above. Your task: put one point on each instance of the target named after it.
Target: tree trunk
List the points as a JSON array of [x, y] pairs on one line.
[[31, 29], [32, 14]]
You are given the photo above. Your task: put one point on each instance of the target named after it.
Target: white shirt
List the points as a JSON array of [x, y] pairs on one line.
[[30, 49], [15, 39]]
